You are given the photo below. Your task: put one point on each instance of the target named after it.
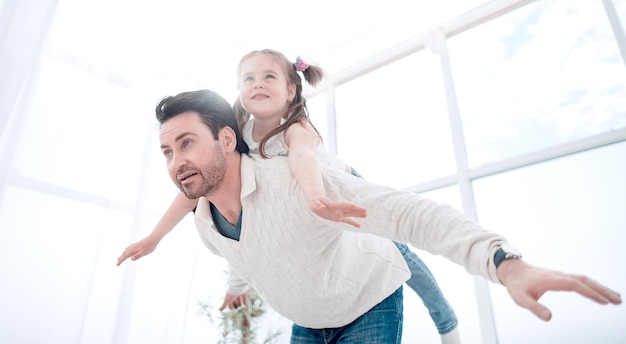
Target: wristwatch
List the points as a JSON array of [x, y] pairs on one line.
[[506, 251]]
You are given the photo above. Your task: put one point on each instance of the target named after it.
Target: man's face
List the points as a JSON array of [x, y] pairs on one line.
[[195, 161]]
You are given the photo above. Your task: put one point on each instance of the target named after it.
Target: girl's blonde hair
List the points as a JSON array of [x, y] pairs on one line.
[[297, 110]]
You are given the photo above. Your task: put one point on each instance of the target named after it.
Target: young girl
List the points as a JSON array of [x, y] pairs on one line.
[[270, 88]]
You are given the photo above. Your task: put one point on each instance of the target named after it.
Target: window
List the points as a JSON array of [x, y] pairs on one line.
[[545, 74], [392, 124], [572, 205]]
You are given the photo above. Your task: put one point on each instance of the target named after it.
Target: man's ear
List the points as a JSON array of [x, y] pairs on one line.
[[228, 138]]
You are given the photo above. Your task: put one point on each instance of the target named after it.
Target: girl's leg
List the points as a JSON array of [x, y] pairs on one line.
[[424, 284]]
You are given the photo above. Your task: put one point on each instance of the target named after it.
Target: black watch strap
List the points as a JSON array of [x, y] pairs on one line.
[[499, 257], [502, 254]]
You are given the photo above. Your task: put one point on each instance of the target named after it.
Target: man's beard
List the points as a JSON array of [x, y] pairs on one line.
[[212, 174]]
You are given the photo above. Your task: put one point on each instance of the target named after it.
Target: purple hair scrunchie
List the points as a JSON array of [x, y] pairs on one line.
[[300, 65]]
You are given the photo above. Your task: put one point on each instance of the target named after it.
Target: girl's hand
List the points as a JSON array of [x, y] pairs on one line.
[[139, 249], [338, 211]]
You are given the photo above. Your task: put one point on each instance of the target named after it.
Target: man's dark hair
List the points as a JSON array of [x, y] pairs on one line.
[[214, 111]]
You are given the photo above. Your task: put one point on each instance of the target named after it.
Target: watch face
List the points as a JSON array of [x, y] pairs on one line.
[[511, 251]]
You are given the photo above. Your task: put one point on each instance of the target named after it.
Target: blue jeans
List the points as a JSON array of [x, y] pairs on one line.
[[380, 325], [424, 284]]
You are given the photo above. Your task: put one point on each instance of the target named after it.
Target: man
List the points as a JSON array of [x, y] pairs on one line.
[[333, 281]]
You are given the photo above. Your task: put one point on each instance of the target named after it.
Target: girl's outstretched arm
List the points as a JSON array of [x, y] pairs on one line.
[[302, 142], [179, 208]]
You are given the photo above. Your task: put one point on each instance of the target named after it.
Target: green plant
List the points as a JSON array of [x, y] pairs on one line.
[[237, 325]]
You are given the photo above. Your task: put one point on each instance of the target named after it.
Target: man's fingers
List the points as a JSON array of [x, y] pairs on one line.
[[240, 301], [595, 291], [233, 302], [539, 310], [228, 300], [582, 285], [586, 287], [529, 301], [223, 306], [542, 312], [600, 293]]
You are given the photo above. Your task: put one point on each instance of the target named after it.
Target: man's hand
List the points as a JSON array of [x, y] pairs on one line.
[[338, 211], [234, 301], [139, 249], [526, 284]]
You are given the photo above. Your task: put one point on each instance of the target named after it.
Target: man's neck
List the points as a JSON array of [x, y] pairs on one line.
[[227, 198], [230, 214]]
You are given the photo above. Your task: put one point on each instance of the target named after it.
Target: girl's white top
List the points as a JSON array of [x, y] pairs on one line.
[[276, 146]]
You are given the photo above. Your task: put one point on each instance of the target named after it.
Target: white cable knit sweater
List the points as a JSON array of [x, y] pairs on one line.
[[324, 274]]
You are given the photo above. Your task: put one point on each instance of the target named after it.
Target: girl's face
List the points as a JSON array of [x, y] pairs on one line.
[[264, 88]]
